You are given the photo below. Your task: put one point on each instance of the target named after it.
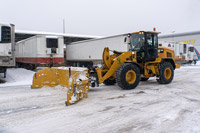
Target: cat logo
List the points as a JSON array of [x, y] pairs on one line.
[[187, 42]]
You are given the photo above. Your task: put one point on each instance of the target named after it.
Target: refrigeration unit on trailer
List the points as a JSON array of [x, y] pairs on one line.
[[188, 38], [184, 53], [7, 47], [89, 52], [40, 50]]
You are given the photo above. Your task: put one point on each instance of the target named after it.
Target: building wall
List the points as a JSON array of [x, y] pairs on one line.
[[186, 39]]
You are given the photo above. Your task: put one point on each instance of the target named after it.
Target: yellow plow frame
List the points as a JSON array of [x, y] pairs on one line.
[[76, 80]]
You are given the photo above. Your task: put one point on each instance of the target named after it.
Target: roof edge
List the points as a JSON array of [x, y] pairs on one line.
[[56, 34], [180, 34]]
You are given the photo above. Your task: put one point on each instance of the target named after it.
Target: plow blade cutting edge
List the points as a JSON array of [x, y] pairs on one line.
[[75, 79]]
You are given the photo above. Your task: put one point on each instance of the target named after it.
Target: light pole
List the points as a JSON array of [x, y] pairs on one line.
[[173, 37], [63, 25]]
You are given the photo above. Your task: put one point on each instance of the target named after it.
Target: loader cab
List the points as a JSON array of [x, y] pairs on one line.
[[146, 45]]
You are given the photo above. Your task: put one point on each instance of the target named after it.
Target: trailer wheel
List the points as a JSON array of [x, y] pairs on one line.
[[109, 81], [166, 73], [5, 72], [128, 76], [144, 79]]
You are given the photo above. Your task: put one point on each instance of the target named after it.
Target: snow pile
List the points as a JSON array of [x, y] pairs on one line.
[[17, 76], [81, 70], [74, 68]]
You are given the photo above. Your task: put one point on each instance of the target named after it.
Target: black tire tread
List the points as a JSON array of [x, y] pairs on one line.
[[109, 82], [121, 80], [162, 79], [144, 79]]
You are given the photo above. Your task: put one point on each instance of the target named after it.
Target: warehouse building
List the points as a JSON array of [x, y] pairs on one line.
[[34, 38], [68, 38], [190, 38]]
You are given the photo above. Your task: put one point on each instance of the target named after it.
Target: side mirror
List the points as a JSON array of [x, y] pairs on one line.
[[127, 40]]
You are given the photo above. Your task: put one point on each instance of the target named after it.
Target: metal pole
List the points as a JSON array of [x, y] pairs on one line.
[[63, 25], [173, 37], [13, 43]]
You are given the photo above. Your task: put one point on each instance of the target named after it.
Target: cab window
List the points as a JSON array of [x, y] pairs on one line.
[[152, 40]]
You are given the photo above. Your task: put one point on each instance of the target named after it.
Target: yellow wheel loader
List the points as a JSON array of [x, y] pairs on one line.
[[143, 59]]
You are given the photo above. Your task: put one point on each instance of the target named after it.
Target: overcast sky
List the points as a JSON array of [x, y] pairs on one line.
[[102, 17]]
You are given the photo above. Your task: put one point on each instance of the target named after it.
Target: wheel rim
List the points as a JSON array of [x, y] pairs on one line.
[[130, 77], [168, 73]]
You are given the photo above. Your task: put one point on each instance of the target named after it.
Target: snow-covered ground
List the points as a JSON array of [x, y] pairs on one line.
[[150, 107]]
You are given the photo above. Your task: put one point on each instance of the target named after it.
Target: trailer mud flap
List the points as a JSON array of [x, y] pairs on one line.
[[76, 80]]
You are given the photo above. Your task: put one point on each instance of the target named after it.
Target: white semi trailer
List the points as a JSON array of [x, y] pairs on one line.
[[90, 52], [7, 47], [40, 50]]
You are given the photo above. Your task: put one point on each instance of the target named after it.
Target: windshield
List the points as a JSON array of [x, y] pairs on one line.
[[137, 40]]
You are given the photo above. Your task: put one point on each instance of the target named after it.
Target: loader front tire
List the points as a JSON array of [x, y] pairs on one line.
[[128, 76], [166, 73], [109, 82]]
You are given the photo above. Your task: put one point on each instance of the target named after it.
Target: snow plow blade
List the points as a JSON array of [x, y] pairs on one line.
[[75, 79]]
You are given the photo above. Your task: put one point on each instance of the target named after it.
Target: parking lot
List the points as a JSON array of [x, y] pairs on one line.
[[150, 107]]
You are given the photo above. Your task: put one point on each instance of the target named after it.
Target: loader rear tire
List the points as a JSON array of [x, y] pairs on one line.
[[128, 76], [109, 82], [166, 73]]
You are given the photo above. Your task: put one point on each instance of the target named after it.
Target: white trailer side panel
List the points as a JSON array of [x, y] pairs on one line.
[[40, 50], [27, 48], [36, 47], [93, 49]]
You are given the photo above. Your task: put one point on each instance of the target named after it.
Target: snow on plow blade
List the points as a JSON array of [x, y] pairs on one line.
[[75, 79]]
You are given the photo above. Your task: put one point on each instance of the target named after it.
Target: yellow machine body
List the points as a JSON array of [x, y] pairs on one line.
[[112, 63], [147, 65]]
